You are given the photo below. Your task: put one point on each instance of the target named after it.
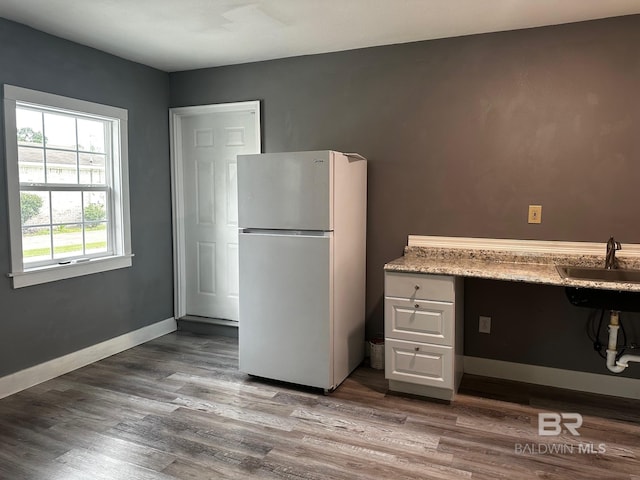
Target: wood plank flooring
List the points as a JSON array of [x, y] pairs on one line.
[[177, 408]]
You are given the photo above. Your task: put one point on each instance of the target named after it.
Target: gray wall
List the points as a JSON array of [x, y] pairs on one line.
[[462, 135], [41, 322]]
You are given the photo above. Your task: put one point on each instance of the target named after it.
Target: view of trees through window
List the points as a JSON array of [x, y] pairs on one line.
[[36, 239]]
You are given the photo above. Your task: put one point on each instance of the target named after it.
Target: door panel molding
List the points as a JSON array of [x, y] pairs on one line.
[[176, 116]]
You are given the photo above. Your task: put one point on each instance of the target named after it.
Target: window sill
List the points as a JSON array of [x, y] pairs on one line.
[[54, 273]]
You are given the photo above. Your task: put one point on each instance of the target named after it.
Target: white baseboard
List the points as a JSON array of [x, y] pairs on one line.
[[555, 377], [31, 376]]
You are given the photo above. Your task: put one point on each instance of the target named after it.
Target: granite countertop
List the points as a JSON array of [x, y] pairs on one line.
[[513, 267]]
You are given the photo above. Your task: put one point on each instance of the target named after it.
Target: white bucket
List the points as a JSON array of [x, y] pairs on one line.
[[377, 353]]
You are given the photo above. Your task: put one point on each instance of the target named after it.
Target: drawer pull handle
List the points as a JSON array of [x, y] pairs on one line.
[[417, 349], [417, 287], [417, 306]]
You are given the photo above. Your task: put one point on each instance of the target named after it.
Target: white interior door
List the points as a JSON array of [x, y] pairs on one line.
[[206, 142]]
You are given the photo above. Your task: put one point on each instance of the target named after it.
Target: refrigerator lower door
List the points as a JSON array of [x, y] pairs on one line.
[[285, 323]]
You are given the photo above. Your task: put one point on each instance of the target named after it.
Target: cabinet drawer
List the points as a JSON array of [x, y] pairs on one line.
[[419, 363], [417, 286], [419, 321]]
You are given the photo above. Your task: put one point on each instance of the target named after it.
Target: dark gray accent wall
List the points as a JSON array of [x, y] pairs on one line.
[[46, 321], [462, 135]]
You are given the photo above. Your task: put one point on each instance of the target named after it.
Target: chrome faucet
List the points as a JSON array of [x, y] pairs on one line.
[[610, 260]]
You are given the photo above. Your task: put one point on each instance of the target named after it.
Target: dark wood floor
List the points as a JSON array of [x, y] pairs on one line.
[[177, 407]]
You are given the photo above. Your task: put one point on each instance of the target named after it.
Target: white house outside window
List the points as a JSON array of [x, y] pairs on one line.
[[67, 186]]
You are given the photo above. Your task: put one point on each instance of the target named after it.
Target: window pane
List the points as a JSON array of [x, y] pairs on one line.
[[31, 165], [36, 244], [92, 169], [96, 237], [34, 208], [95, 206], [67, 240], [66, 207], [60, 131], [29, 126], [91, 135], [62, 167]]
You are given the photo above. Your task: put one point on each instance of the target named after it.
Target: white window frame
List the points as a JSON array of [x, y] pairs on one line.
[[121, 256]]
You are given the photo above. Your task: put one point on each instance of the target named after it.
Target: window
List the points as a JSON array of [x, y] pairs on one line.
[[67, 182]]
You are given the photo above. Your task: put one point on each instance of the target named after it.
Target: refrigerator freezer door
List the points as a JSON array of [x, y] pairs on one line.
[[288, 191], [285, 322]]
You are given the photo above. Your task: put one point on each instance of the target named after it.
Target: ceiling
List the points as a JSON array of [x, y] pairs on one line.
[[174, 35]]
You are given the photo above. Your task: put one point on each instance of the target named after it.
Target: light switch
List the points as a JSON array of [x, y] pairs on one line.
[[535, 213]]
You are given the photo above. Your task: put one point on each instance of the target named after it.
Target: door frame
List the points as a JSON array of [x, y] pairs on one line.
[[177, 186]]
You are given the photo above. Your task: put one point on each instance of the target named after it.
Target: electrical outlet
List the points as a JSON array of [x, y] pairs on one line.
[[535, 213], [484, 324]]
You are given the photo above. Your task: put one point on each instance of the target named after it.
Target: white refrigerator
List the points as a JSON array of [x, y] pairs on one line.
[[302, 249]]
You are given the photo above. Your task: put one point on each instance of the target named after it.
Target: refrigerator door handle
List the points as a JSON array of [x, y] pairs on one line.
[[289, 233]]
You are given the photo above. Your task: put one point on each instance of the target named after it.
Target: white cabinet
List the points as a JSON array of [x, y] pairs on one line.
[[423, 333]]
